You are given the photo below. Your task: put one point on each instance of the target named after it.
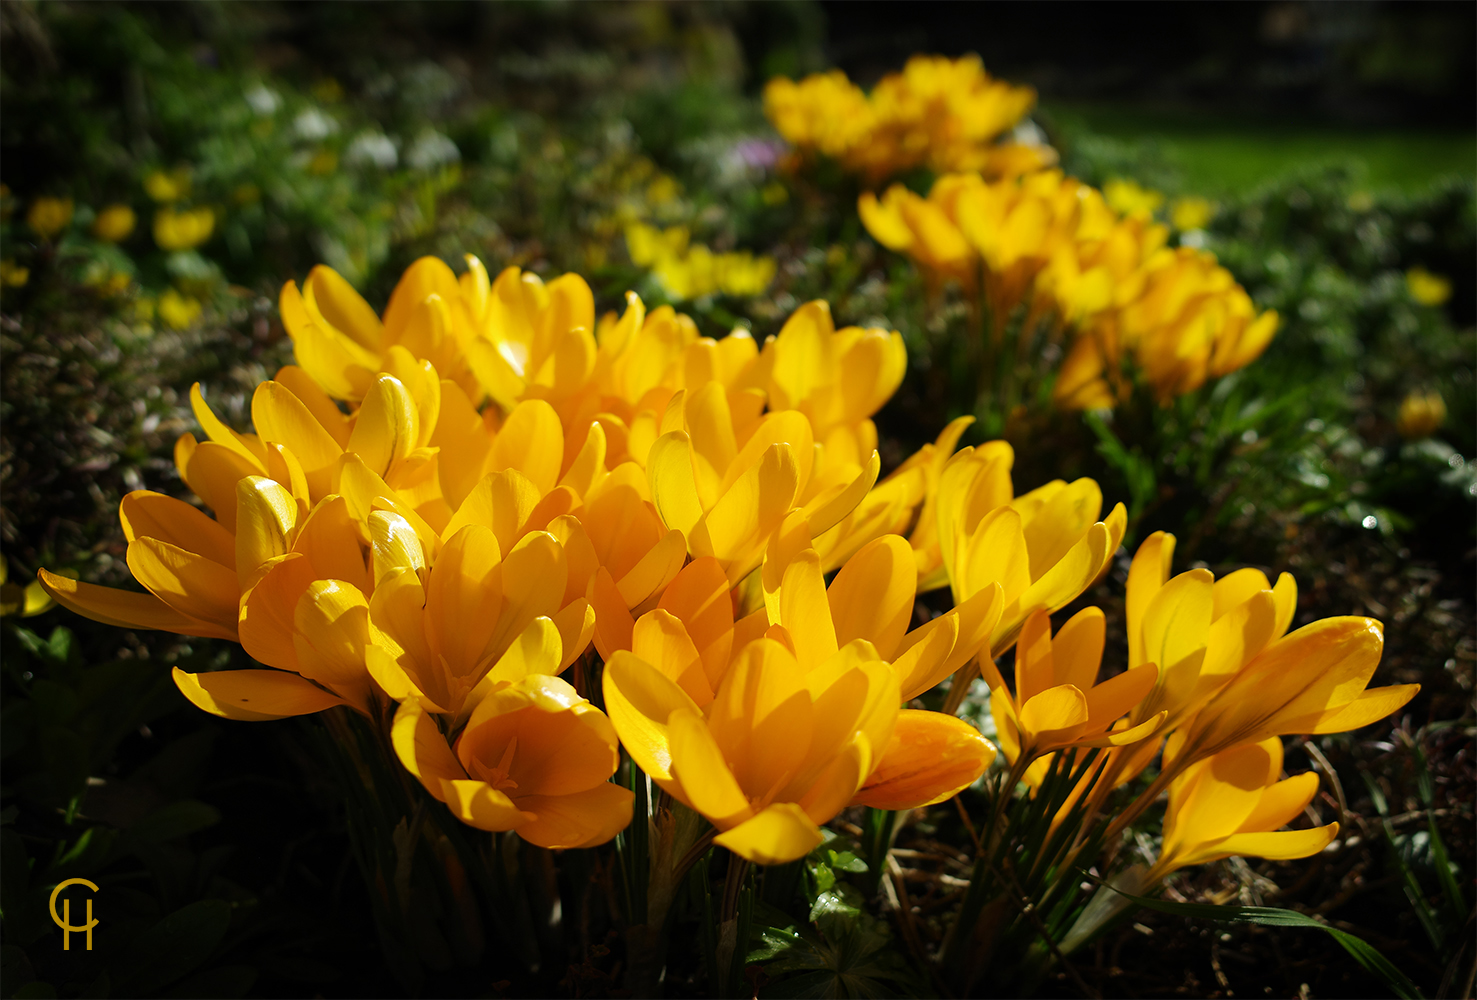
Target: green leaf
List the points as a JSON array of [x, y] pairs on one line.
[[846, 861], [177, 945], [1362, 951], [176, 820]]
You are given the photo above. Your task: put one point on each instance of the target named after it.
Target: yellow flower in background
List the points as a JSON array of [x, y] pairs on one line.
[[533, 758], [947, 114], [693, 271], [168, 186], [1130, 198], [178, 311], [1426, 288], [22, 600], [114, 223], [49, 216], [13, 275], [1421, 415], [1191, 212], [176, 230]]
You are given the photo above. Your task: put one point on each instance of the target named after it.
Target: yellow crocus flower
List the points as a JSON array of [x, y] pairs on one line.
[[168, 186], [179, 311], [1130, 198], [780, 750], [1043, 548], [1311, 681], [533, 758], [114, 223], [13, 275], [183, 230], [1058, 702], [1421, 415], [1230, 805], [48, 216], [1191, 212], [22, 600], [1426, 288]]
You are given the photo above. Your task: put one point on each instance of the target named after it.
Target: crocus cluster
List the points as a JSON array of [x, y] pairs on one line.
[[1054, 246], [445, 507], [945, 114], [688, 270]]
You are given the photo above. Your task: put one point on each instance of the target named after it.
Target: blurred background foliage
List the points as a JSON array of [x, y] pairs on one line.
[[167, 167]]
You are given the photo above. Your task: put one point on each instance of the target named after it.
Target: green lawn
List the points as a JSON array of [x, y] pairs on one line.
[[1219, 155]]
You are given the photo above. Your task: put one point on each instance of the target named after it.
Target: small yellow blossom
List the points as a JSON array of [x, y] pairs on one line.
[[183, 230], [12, 274], [1426, 288], [324, 162], [1421, 415], [22, 600], [114, 223], [168, 186], [1191, 213], [179, 311], [49, 216], [1130, 198]]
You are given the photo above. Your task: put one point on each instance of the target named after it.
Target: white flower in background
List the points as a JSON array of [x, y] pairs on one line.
[[430, 150], [1028, 133], [312, 124], [373, 148], [263, 100]]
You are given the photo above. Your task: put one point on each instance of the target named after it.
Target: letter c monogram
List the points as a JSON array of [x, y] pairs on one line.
[[64, 921]]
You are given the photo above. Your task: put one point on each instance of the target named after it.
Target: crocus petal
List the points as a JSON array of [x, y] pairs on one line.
[[707, 782], [581, 819], [833, 787], [158, 516], [931, 757], [502, 501], [1281, 803], [639, 700], [478, 804], [1287, 845], [1114, 697], [197, 586], [576, 625], [872, 596], [532, 441], [281, 417], [1054, 711], [700, 597], [127, 609], [1369, 707], [779, 834], [921, 664], [253, 695]]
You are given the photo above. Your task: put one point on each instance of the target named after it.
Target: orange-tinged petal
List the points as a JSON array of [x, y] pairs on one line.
[[1235, 588], [536, 652], [332, 628], [1287, 845], [872, 596], [1055, 711], [342, 307], [922, 662], [582, 819], [423, 750], [930, 757], [153, 514], [576, 624], [1281, 803], [279, 416], [661, 640], [657, 568], [1177, 621], [253, 695], [213, 472], [700, 597], [588, 467], [1147, 573], [197, 586], [344, 368], [532, 441], [805, 610], [478, 804], [533, 584], [669, 468], [1071, 576], [502, 501], [392, 678], [735, 530], [464, 604], [127, 609], [699, 765], [834, 786], [824, 513], [1285, 596], [1114, 697], [639, 700], [995, 552], [1369, 707], [780, 834], [1077, 650], [320, 404], [267, 610], [1034, 669], [265, 516], [761, 718], [613, 622], [563, 743]]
